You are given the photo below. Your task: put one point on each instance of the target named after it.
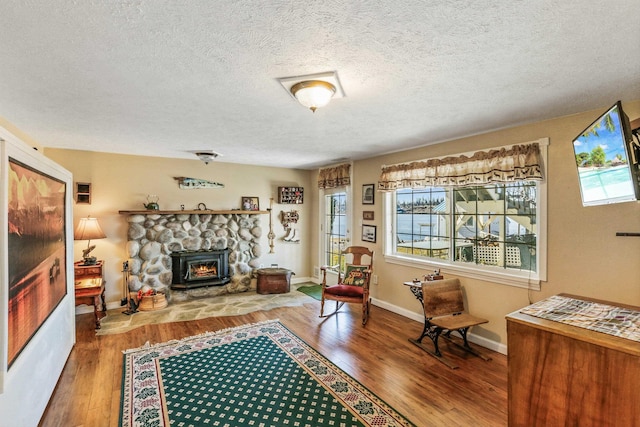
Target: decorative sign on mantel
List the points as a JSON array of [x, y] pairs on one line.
[[194, 183]]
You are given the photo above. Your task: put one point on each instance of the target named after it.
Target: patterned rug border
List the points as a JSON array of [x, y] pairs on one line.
[[369, 408]]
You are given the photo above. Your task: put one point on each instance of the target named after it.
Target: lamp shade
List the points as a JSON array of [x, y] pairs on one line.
[[88, 229], [313, 93]]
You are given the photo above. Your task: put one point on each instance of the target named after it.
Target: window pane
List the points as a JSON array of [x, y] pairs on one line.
[[463, 250], [522, 198], [422, 222], [488, 253], [465, 200], [490, 199], [489, 227]]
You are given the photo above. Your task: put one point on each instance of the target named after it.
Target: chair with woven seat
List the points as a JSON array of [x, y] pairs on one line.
[[353, 286]]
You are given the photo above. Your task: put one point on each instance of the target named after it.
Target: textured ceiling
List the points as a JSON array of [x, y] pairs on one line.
[[167, 78]]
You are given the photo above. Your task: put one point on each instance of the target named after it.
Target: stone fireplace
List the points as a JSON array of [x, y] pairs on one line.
[[153, 236]]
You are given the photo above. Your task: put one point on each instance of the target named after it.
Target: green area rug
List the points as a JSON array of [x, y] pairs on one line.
[[253, 375], [314, 291]]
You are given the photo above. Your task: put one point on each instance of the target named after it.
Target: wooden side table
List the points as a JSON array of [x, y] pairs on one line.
[[91, 271], [90, 287]]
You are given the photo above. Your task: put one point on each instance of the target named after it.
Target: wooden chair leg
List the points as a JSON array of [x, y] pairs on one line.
[[365, 312], [435, 338], [339, 305], [433, 333]]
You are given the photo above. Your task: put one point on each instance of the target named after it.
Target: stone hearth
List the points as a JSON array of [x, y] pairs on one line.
[[153, 237]]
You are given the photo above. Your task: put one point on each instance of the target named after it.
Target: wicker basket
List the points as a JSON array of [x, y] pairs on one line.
[[152, 302]]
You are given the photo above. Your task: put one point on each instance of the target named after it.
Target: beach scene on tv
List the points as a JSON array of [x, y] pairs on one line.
[[603, 167]]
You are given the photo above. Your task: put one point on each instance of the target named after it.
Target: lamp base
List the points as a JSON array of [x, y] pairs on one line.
[[90, 260]]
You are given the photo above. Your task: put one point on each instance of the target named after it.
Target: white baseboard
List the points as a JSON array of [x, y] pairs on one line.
[[84, 309], [304, 279], [476, 339]]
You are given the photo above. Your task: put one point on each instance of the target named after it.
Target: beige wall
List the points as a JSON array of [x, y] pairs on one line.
[[584, 255], [122, 182]]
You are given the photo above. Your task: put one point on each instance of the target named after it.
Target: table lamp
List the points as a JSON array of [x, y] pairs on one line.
[[88, 229]]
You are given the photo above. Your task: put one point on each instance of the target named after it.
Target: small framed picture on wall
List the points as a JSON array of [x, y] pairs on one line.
[[367, 215], [368, 194], [369, 233]]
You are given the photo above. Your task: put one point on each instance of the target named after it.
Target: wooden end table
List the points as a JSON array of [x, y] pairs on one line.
[[91, 292]]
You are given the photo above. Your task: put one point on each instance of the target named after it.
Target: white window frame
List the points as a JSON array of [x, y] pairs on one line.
[[518, 278]]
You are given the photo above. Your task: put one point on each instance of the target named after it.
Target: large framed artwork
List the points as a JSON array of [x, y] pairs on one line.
[[37, 310], [36, 251]]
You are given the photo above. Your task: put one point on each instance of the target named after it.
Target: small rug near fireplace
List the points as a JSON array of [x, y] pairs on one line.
[[253, 375], [314, 291], [222, 305]]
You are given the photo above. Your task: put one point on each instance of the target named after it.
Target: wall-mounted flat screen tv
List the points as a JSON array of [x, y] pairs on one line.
[[606, 169]]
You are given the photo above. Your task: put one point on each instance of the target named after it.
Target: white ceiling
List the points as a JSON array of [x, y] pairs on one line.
[[167, 78]]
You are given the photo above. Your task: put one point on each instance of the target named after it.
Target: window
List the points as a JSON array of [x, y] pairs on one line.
[[488, 225], [490, 231], [335, 228]]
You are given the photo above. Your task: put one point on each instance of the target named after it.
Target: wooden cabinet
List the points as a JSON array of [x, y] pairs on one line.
[[561, 375], [90, 287]]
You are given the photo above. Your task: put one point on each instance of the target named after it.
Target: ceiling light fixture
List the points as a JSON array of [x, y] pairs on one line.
[[206, 156], [313, 90], [313, 93]]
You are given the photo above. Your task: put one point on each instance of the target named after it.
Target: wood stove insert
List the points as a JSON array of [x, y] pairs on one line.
[[193, 269]]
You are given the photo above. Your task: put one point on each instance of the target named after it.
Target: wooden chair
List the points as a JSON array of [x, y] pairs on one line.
[[353, 287], [444, 313]]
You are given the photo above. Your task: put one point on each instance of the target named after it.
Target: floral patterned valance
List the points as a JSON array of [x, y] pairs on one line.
[[334, 177], [517, 163]]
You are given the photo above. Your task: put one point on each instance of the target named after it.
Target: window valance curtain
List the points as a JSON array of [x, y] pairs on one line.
[[517, 163], [337, 176]]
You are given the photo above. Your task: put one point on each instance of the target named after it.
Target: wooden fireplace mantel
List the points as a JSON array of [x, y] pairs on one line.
[[194, 211]]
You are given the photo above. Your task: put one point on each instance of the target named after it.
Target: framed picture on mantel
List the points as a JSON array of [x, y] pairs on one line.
[[250, 204]]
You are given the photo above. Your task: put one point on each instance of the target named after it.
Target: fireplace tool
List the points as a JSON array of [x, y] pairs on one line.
[[133, 307]]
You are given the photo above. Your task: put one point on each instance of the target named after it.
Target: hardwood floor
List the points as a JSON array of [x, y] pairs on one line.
[[379, 356]]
